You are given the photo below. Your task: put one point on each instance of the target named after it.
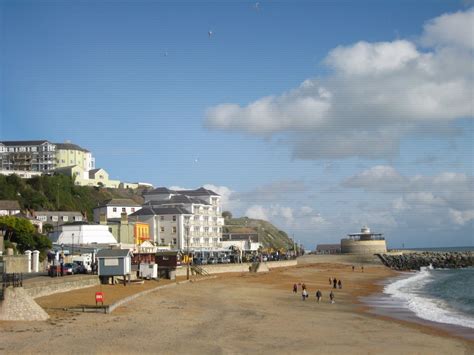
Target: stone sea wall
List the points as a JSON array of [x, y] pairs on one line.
[[441, 260]]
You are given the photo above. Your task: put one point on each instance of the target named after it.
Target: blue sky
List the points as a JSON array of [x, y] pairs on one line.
[[317, 115]]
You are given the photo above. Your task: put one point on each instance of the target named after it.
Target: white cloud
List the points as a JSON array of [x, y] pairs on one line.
[[257, 212], [461, 217], [377, 93], [450, 29]]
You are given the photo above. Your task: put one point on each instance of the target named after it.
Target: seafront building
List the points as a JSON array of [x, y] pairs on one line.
[[185, 219], [114, 208]]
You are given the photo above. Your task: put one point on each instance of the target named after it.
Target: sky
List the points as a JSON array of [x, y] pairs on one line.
[[319, 116]]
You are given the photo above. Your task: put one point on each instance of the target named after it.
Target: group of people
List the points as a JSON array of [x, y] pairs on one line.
[[305, 295], [335, 283]]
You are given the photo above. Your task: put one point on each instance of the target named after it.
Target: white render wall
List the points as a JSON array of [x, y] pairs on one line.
[[113, 211]]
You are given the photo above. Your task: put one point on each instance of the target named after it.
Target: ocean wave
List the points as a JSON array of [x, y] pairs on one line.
[[407, 291]]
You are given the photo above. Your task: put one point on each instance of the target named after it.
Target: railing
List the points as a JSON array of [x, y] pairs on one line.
[[14, 280]]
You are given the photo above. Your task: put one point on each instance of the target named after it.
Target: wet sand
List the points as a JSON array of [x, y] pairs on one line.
[[239, 313]]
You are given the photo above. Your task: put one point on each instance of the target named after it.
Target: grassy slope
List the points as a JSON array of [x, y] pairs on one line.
[[268, 234], [58, 193]]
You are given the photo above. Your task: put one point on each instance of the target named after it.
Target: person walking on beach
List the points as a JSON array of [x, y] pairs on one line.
[[304, 294], [331, 297], [334, 283], [362, 268], [330, 281], [295, 288], [339, 283], [319, 295], [353, 267], [303, 286]]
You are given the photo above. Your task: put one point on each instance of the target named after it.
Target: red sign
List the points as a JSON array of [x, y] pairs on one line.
[[99, 297]]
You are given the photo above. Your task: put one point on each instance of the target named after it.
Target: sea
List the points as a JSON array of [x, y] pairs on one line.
[[440, 296]]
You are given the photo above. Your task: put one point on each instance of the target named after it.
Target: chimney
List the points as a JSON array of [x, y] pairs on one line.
[[102, 219], [123, 218]]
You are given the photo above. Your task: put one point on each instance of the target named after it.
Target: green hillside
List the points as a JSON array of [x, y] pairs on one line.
[[268, 234], [58, 192]]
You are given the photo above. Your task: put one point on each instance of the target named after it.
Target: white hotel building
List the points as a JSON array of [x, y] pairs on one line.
[[185, 218]]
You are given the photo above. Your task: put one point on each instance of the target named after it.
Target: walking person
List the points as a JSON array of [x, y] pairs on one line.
[[330, 281], [362, 268], [304, 294], [334, 283], [319, 295], [353, 267], [331, 297], [339, 283], [295, 288]]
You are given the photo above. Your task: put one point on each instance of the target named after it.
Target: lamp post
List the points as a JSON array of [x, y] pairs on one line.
[[188, 261]]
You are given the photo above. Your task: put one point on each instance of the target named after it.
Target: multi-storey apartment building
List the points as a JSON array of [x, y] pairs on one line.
[[202, 227], [43, 156], [28, 155]]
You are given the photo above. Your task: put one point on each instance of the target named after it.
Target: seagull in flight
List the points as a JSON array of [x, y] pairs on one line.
[[210, 34]]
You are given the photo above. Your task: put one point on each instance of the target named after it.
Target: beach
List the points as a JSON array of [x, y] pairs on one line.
[[239, 313]]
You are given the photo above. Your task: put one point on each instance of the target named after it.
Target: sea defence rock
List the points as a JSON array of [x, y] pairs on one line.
[[441, 260]]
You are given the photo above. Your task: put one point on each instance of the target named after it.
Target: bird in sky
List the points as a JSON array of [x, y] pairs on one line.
[[210, 34]]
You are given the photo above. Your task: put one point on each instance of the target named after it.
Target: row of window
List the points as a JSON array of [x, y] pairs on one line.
[[114, 209], [56, 218]]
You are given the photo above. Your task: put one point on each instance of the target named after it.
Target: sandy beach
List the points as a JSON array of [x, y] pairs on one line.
[[237, 313]]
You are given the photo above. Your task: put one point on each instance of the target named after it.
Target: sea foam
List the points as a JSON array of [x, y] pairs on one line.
[[408, 292]]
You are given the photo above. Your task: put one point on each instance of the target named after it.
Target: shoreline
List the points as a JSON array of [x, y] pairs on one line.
[[238, 313], [384, 305]]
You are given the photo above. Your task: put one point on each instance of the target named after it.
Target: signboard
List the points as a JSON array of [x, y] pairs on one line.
[[99, 297], [111, 262]]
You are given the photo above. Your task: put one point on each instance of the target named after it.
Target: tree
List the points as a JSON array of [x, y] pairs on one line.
[[23, 233], [227, 215]]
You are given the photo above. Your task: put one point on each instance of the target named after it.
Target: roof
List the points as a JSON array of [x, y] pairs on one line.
[[16, 143], [70, 146], [151, 211], [198, 192], [119, 202], [9, 205], [178, 199], [108, 253]]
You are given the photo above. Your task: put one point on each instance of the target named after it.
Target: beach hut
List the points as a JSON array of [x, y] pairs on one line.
[[114, 262], [167, 262]]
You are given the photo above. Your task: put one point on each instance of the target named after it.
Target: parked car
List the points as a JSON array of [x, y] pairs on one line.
[[223, 260], [68, 268], [212, 260]]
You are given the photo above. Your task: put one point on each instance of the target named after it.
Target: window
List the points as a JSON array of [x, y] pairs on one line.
[[162, 229], [162, 240], [124, 209], [174, 218], [65, 218], [162, 218], [174, 229], [174, 241], [114, 209], [133, 209]]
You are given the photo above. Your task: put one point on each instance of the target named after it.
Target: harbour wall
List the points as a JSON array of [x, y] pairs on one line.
[[413, 261]]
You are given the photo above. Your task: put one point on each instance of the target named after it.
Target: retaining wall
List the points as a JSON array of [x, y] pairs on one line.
[[18, 305], [16, 263], [56, 285], [244, 267]]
